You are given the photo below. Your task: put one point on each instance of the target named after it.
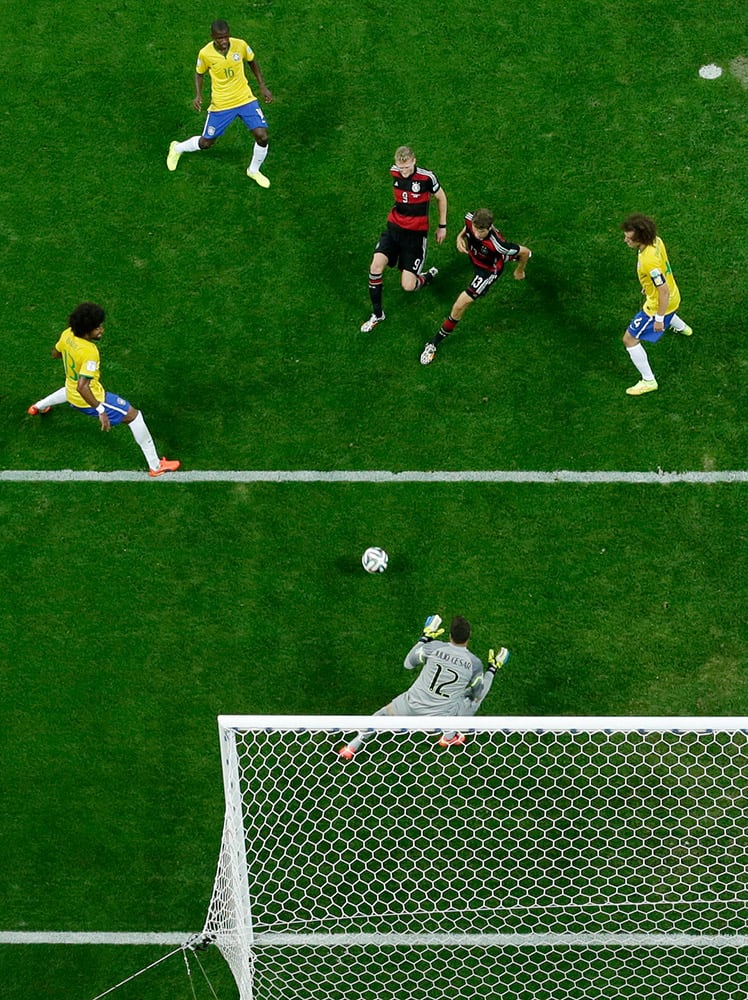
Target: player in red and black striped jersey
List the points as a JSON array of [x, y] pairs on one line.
[[489, 252], [403, 244]]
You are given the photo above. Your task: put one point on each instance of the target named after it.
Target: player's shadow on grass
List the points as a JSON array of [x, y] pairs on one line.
[[351, 565]]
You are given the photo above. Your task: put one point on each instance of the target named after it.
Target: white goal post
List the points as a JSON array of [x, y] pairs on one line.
[[571, 858]]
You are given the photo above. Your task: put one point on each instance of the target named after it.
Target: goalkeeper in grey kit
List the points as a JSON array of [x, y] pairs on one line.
[[452, 680]]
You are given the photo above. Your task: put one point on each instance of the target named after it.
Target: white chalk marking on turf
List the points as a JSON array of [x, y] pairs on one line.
[[276, 940], [710, 72], [373, 476], [91, 937]]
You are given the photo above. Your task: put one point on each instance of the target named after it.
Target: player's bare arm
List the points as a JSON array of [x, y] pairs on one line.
[[197, 104], [84, 389], [266, 94], [663, 300], [441, 201], [524, 255], [461, 241]]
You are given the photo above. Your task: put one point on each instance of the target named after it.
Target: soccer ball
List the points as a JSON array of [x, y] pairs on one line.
[[374, 560]]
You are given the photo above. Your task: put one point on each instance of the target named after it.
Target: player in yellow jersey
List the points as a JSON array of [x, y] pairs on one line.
[[84, 391], [231, 97], [661, 293]]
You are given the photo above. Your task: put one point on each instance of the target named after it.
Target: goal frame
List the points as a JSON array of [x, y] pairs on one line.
[[245, 937]]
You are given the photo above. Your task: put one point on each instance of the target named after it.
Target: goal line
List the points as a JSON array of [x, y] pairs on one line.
[[272, 939], [497, 940]]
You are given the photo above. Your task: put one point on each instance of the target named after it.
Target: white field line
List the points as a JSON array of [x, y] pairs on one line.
[[90, 937], [659, 476], [270, 940]]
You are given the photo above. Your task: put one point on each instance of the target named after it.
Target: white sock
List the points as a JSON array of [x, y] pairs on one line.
[[676, 323], [358, 741], [639, 356], [258, 158], [54, 399], [189, 145], [143, 436]]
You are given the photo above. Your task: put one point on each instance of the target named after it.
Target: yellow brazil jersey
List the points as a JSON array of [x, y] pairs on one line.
[[228, 81], [80, 357], [653, 269]]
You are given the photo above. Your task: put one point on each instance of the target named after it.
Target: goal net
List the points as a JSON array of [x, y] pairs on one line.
[[545, 858]]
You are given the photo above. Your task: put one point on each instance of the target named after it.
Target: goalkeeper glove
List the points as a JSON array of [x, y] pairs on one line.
[[431, 629], [497, 659]]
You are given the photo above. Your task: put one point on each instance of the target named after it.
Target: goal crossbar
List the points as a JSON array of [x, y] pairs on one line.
[[513, 723]]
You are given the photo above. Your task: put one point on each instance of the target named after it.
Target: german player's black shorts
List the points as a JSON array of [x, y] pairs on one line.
[[403, 248], [482, 281]]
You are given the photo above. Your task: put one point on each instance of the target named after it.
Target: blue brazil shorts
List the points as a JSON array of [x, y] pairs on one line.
[[116, 408], [218, 121], [642, 327]]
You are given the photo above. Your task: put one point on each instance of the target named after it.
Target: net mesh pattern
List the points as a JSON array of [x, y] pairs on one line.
[[574, 844]]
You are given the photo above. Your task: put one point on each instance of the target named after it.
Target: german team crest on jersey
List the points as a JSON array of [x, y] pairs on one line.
[[415, 187]]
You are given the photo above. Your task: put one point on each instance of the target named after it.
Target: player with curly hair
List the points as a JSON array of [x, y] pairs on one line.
[[662, 298], [77, 346]]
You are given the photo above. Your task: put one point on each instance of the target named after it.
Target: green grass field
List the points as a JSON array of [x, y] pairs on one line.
[[134, 613]]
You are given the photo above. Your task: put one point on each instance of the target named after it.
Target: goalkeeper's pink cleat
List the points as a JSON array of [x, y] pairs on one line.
[[452, 741], [346, 752]]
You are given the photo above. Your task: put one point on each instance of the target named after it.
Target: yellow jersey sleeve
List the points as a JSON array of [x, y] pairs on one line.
[[228, 81]]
